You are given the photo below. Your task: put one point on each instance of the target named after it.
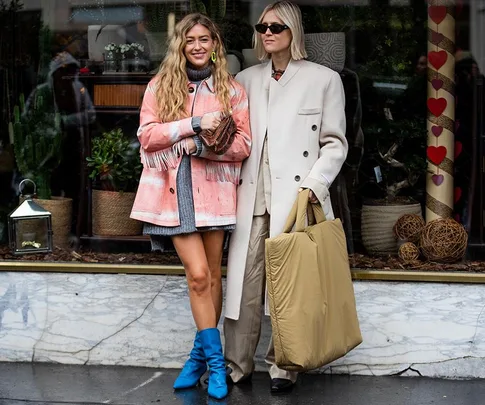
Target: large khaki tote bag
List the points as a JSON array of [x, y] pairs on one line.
[[311, 296]]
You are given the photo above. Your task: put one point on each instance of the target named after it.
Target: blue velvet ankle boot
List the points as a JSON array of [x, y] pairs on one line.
[[194, 367], [211, 342]]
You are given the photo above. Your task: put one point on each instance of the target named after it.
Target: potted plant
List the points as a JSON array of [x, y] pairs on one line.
[[111, 57], [400, 153], [132, 57], [115, 168], [36, 134], [157, 28]]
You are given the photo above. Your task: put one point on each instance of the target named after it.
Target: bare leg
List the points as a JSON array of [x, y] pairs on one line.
[[190, 249], [213, 245]]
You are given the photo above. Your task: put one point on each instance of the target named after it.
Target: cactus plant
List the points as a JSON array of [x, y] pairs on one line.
[[216, 9], [156, 16], [36, 132]]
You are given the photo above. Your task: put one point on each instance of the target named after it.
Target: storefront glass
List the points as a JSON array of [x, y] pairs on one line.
[[73, 73]]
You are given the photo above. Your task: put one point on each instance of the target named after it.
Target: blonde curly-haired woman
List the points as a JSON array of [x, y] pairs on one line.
[[186, 192]]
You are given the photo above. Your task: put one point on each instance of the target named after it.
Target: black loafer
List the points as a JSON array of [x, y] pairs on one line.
[[281, 385]]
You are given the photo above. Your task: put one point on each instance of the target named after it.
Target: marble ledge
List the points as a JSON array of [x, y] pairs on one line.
[[429, 329]]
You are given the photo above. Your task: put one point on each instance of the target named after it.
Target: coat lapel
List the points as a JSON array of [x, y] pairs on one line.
[[267, 70], [293, 67], [263, 107]]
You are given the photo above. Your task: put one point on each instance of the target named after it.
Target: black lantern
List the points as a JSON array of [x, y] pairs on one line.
[[30, 226]]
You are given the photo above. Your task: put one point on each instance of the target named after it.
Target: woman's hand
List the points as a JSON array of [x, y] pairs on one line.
[[311, 196], [192, 146], [210, 121]]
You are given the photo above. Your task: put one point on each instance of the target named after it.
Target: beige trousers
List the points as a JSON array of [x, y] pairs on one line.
[[242, 336]]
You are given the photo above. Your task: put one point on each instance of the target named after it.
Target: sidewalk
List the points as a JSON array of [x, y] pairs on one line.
[[39, 384]]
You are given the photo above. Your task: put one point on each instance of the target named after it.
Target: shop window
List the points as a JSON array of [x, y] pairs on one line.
[[86, 64]]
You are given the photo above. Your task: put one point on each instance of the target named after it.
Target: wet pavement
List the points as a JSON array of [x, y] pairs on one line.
[[36, 384]]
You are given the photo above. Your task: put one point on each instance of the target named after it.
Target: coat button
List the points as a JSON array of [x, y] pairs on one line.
[[297, 178], [314, 127], [305, 153], [240, 181], [191, 90], [172, 190]]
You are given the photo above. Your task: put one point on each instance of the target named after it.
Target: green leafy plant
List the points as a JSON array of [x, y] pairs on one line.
[[114, 162], [18, 38], [400, 149], [36, 132], [397, 33]]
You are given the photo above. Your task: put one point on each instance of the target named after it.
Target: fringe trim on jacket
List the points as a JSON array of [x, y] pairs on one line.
[[169, 158], [223, 171]]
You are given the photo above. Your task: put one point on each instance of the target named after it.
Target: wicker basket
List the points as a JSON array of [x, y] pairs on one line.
[[61, 211], [377, 226], [111, 214]]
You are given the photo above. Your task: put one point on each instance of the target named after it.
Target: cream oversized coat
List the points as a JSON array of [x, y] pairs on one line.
[[303, 116]]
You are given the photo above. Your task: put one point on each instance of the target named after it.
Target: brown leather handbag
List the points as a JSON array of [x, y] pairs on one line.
[[220, 140]]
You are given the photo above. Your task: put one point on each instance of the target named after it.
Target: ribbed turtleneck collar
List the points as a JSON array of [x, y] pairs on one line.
[[197, 75]]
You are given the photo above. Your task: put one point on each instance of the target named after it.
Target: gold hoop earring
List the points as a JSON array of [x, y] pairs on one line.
[[213, 57]]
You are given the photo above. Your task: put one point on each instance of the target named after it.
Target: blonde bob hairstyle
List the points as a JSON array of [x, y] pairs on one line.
[[290, 14], [172, 79]]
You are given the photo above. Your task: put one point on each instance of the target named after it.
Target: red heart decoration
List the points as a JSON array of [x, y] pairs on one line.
[[436, 106], [457, 194], [458, 148], [436, 154], [437, 59], [437, 84], [437, 179], [436, 130], [437, 13], [437, 37]]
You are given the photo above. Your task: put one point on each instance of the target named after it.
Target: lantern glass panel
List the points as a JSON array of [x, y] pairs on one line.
[[32, 235]]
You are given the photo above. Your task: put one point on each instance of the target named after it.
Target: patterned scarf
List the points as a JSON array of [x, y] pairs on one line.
[[276, 74]]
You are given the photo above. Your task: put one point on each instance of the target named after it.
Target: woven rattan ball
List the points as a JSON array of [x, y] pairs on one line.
[[444, 240], [409, 227], [408, 252]]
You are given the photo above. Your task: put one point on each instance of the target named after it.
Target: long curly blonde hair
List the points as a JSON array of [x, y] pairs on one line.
[[171, 80]]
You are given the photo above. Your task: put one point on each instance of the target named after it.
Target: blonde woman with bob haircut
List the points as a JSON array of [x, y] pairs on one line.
[[298, 130], [187, 192]]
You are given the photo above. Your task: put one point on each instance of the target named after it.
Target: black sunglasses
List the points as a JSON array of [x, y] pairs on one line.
[[274, 28]]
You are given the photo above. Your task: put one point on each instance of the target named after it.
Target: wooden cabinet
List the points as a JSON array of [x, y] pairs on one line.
[[117, 93]]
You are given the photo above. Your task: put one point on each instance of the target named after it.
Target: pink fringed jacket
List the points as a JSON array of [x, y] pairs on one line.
[[214, 178]]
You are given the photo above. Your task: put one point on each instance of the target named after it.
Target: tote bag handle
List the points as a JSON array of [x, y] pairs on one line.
[[303, 212]]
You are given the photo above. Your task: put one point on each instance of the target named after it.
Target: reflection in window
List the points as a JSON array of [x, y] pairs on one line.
[[379, 48], [109, 15]]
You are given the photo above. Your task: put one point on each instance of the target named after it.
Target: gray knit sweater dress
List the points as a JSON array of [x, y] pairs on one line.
[[185, 198]]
